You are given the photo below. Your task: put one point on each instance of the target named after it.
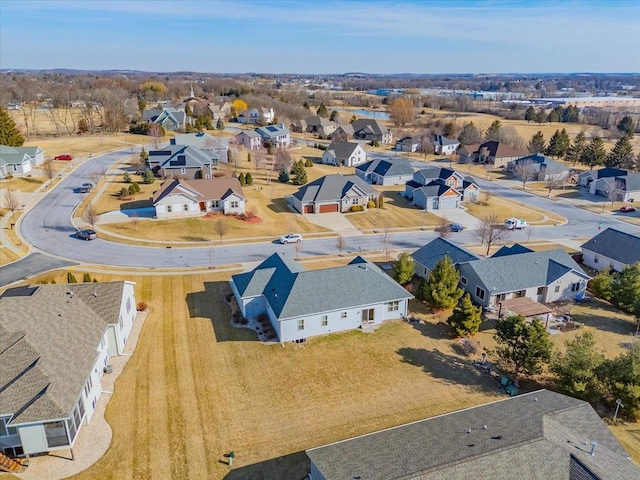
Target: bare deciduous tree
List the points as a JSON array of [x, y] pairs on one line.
[[425, 147], [490, 231], [48, 170], [283, 157], [298, 248], [526, 170], [95, 177], [259, 159], [11, 201], [385, 246], [90, 214], [341, 243], [221, 228], [155, 133], [554, 178], [443, 228]]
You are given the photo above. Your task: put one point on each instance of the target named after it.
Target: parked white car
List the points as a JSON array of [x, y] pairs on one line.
[[515, 224], [291, 238]]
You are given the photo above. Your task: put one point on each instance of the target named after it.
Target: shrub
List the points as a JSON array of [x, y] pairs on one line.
[[141, 306], [244, 321], [374, 143], [149, 177], [262, 317], [71, 278], [248, 178], [136, 186], [236, 319], [86, 278], [127, 177], [132, 190], [380, 201], [356, 208], [308, 163], [242, 179], [251, 212], [371, 204], [271, 335], [124, 193]]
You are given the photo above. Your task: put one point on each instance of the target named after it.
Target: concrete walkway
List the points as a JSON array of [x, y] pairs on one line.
[[334, 221], [94, 439]]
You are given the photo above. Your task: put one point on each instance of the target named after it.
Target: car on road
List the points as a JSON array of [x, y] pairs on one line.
[[64, 156], [456, 227], [86, 188], [291, 238], [515, 224], [86, 234], [627, 209]]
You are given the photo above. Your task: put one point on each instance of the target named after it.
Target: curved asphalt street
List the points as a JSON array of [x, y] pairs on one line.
[[48, 228]]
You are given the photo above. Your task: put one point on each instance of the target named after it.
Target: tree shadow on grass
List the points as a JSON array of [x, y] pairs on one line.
[[447, 367], [210, 304], [599, 314], [294, 466]]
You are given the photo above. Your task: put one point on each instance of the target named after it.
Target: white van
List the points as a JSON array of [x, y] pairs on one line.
[[515, 224]]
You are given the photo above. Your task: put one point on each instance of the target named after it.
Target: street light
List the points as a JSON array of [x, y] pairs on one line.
[[618, 405]]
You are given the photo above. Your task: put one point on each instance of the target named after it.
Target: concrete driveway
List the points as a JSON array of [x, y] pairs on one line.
[[458, 215], [334, 221]]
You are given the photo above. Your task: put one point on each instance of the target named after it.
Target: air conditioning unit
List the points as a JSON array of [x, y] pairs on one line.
[[108, 369]]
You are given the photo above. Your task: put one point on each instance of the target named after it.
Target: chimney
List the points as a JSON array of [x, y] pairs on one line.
[[593, 448]]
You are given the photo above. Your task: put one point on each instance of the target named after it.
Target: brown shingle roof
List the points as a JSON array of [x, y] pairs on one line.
[[201, 190]]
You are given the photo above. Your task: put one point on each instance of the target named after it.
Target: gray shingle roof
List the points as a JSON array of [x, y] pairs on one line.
[[342, 150], [631, 182], [525, 270], [48, 345], [434, 189], [182, 156], [332, 188], [271, 131], [438, 248], [619, 246], [432, 173], [530, 436], [201, 140], [375, 126], [293, 292], [387, 167], [514, 249], [442, 140]]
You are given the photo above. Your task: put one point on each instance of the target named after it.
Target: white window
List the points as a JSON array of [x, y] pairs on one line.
[[393, 306], [480, 293], [355, 201], [4, 430], [120, 322], [343, 315], [169, 209], [129, 305], [215, 203], [185, 207], [87, 387], [463, 280], [183, 171], [325, 320], [575, 287], [301, 324], [234, 204]]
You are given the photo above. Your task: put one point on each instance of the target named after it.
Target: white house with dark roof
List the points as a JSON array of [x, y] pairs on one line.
[[426, 257], [55, 342], [184, 198], [301, 304], [611, 249], [257, 116], [438, 188], [217, 147], [444, 146], [349, 154], [334, 193], [545, 276], [388, 171], [182, 161], [408, 144], [536, 435]]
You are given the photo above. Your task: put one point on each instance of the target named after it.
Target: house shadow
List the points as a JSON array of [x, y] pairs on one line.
[[449, 368], [135, 204], [294, 466], [313, 159], [280, 205], [210, 304]]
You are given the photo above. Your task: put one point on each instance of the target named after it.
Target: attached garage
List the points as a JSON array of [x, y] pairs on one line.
[[448, 202], [332, 207], [308, 209]]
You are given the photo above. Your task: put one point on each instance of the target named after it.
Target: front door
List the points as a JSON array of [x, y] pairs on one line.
[[368, 316]]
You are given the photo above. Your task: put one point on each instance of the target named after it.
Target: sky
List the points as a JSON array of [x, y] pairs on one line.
[[322, 36]]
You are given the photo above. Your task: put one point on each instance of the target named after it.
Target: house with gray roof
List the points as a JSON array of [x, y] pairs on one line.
[[187, 198], [14, 161], [544, 168], [537, 435], [388, 171], [349, 154], [585, 178], [275, 135], [492, 153], [334, 193], [619, 188], [182, 161], [343, 133], [55, 343], [217, 147], [437, 188], [323, 127], [611, 249], [408, 144], [257, 116], [545, 276], [444, 146], [249, 139], [169, 117], [301, 304], [426, 257], [370, 129]]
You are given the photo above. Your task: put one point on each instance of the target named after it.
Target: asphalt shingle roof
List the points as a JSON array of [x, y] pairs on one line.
[[531, 436], [438, 248], [619, 246], [514, 249], [342, 150], [332, 188], [200, 190], [48, 345], [181, 156], [388, 167]]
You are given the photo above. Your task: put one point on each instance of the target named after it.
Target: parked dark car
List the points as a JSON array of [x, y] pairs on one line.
[[86, 234], [456, 227]]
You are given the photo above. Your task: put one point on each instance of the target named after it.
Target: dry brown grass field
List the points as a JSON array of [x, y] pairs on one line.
[[197, 388], [505, 209]]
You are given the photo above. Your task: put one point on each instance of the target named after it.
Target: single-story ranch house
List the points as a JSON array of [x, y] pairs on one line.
[[621, 188], [390, 171], [302, 304], [426, 257], [408, 144], [611, 249], [537, 435], [585, 178], [334, 193], [545, 168], [182, 161], [19, 160], [497, 154], [349, 154], [370, 129], [183, 198], [55, 343]]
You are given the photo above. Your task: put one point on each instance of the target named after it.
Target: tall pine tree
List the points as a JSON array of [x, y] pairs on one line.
[[493, 132], [576, 148], [558, 144], [620, 154], [469, 134], [9, 134], [466, 317], [537, 143], [594, 154], [441, 290]]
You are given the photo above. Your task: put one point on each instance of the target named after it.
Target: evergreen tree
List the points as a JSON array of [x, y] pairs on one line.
[[494, 132], [576, 368], [521, 347], [537, 143], [126, 177], [308, 163], [626, 287], [470, 134], [248, 178], [558, 144], [334, 115], [602, 285], [633, 163], [71, 278], [149, 177], [144, 156], [86, 278], [594, 154], [466, 318], [626, 126], [219, 124], [299, 174], [571, 114], [9, 133], [574, 152], [541, 116], [322, 111], [242, 179], [403, 269], [441, 290], [620, 154], [284, 175], [381, 201], [552, 116], [249, 157], [621, 379], [530, 114]]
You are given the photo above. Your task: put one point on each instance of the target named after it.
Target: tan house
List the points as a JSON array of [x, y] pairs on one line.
[[180, 198], [334, 193], [497, 154]]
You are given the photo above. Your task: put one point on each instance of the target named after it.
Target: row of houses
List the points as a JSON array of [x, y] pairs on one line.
[[441, 144]]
